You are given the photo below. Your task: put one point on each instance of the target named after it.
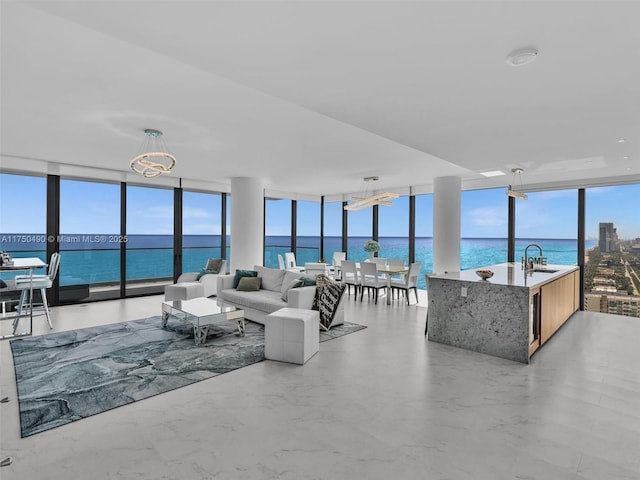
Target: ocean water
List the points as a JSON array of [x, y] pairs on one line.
[[95, 259]]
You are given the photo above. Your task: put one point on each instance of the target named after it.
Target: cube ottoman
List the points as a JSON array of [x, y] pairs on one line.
[[291, 335]]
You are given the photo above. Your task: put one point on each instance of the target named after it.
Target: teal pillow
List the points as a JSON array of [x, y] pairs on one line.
[[249, 284], [308, 282], [243, 273], [204, 271]]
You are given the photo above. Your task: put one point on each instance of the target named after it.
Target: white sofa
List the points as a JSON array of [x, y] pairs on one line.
[[257, 305], [209, 280]]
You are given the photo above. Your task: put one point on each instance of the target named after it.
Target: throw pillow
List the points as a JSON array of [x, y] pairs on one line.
[[328, 295], [214, 264], [271, 278], [243, 273], [295, 283], [204, 271], [249, 284], [288, 278], [308, 281]]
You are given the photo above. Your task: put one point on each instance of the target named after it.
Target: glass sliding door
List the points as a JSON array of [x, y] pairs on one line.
[[89, 241], [149, 240], [201, 228], [277, 228], [424, 236], [612, 249], [484, 216]]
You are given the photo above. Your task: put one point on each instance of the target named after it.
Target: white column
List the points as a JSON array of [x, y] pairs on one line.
[[446, 224], [247, 218]]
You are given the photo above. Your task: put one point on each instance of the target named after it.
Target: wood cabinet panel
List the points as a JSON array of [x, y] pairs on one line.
[[558, 304]]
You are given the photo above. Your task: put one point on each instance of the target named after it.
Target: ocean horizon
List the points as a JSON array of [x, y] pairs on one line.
[[95, 258]]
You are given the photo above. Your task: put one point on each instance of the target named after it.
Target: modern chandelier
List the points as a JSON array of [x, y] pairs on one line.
[[515, 193], [153, 158], [369, 200]]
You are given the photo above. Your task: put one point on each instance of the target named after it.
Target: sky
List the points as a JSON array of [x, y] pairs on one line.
[[90, 208]]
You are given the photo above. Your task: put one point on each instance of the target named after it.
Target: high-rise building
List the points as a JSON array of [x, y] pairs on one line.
[[608, 240]]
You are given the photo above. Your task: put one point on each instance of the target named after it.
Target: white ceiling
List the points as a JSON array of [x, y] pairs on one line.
[[313, 96]]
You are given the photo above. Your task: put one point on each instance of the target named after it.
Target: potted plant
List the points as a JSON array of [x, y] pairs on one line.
[[371, 246]]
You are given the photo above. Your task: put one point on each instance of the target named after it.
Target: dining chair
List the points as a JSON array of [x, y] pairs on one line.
[[314, 268], [290, 260], [350, 276], [410, 282], [338, 258], [28, 283], [281, 262], [380, 261], [371, 280]]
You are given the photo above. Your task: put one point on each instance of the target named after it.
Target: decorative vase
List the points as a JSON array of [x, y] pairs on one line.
[[371, 256]]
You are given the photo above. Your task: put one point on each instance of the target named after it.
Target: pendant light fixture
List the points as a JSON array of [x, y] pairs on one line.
[[370, 199], [515, 193], [153, 158]]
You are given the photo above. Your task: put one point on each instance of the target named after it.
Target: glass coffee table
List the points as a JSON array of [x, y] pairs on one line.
[[201, 312]]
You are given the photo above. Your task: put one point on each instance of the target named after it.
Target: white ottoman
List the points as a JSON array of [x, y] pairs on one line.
[[291, 335], [183, 291]]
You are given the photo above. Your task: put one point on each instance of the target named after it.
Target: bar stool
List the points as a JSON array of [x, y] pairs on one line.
[[36, 282]]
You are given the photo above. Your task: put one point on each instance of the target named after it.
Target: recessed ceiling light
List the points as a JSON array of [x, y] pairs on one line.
[[622, 140], [522, 56], [493, 173], [626, 157]]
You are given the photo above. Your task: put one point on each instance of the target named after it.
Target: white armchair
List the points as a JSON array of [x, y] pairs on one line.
[[209, 280]]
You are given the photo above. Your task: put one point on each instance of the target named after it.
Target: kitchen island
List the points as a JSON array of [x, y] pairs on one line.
[[509, 315]]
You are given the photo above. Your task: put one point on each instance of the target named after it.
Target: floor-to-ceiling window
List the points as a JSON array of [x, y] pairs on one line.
[[612, 248], [23, 218], [149, 239], [228, 230], [548, 219], [308, 232], [359, 230], [277, 230], [332, 229], [89, 241], [393, 230], [201, 227], [483, 227], [424, 236]]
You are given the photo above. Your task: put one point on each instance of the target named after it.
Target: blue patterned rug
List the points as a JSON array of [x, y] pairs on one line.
[[64, 377]]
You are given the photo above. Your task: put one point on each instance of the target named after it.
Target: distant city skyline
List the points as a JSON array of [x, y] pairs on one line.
[[89, 207]]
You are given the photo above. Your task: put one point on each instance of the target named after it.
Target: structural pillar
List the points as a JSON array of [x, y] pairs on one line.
[[446, 224], [247, 223]]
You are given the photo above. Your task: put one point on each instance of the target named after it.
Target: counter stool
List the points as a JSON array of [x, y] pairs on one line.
[[291, 335]]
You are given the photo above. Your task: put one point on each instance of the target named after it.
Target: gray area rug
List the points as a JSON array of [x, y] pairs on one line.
[[64, 377]]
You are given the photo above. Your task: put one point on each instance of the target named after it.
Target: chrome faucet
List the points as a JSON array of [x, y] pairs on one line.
[[526, 262]]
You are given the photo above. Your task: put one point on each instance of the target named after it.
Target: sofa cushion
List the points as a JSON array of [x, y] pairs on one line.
[[328, 295], [243, 273], [295, 283], [263, 300], [271, 278], [204, 271], [249, 284], [214, 264], [289, 276], [308, 281]]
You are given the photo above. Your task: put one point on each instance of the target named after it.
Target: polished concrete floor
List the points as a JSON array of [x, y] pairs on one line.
[[381, 403]]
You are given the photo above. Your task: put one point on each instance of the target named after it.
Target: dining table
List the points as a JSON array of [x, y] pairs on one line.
[[28, 264]]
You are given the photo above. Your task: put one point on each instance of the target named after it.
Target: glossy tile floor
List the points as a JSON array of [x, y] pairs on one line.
[[382, 403]]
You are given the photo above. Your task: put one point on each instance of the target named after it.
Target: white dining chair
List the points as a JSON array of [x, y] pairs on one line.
[[338, 258], [409, 282], [281, 262], [350, 276], [290, 260], [371, 280], [28, 283]]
